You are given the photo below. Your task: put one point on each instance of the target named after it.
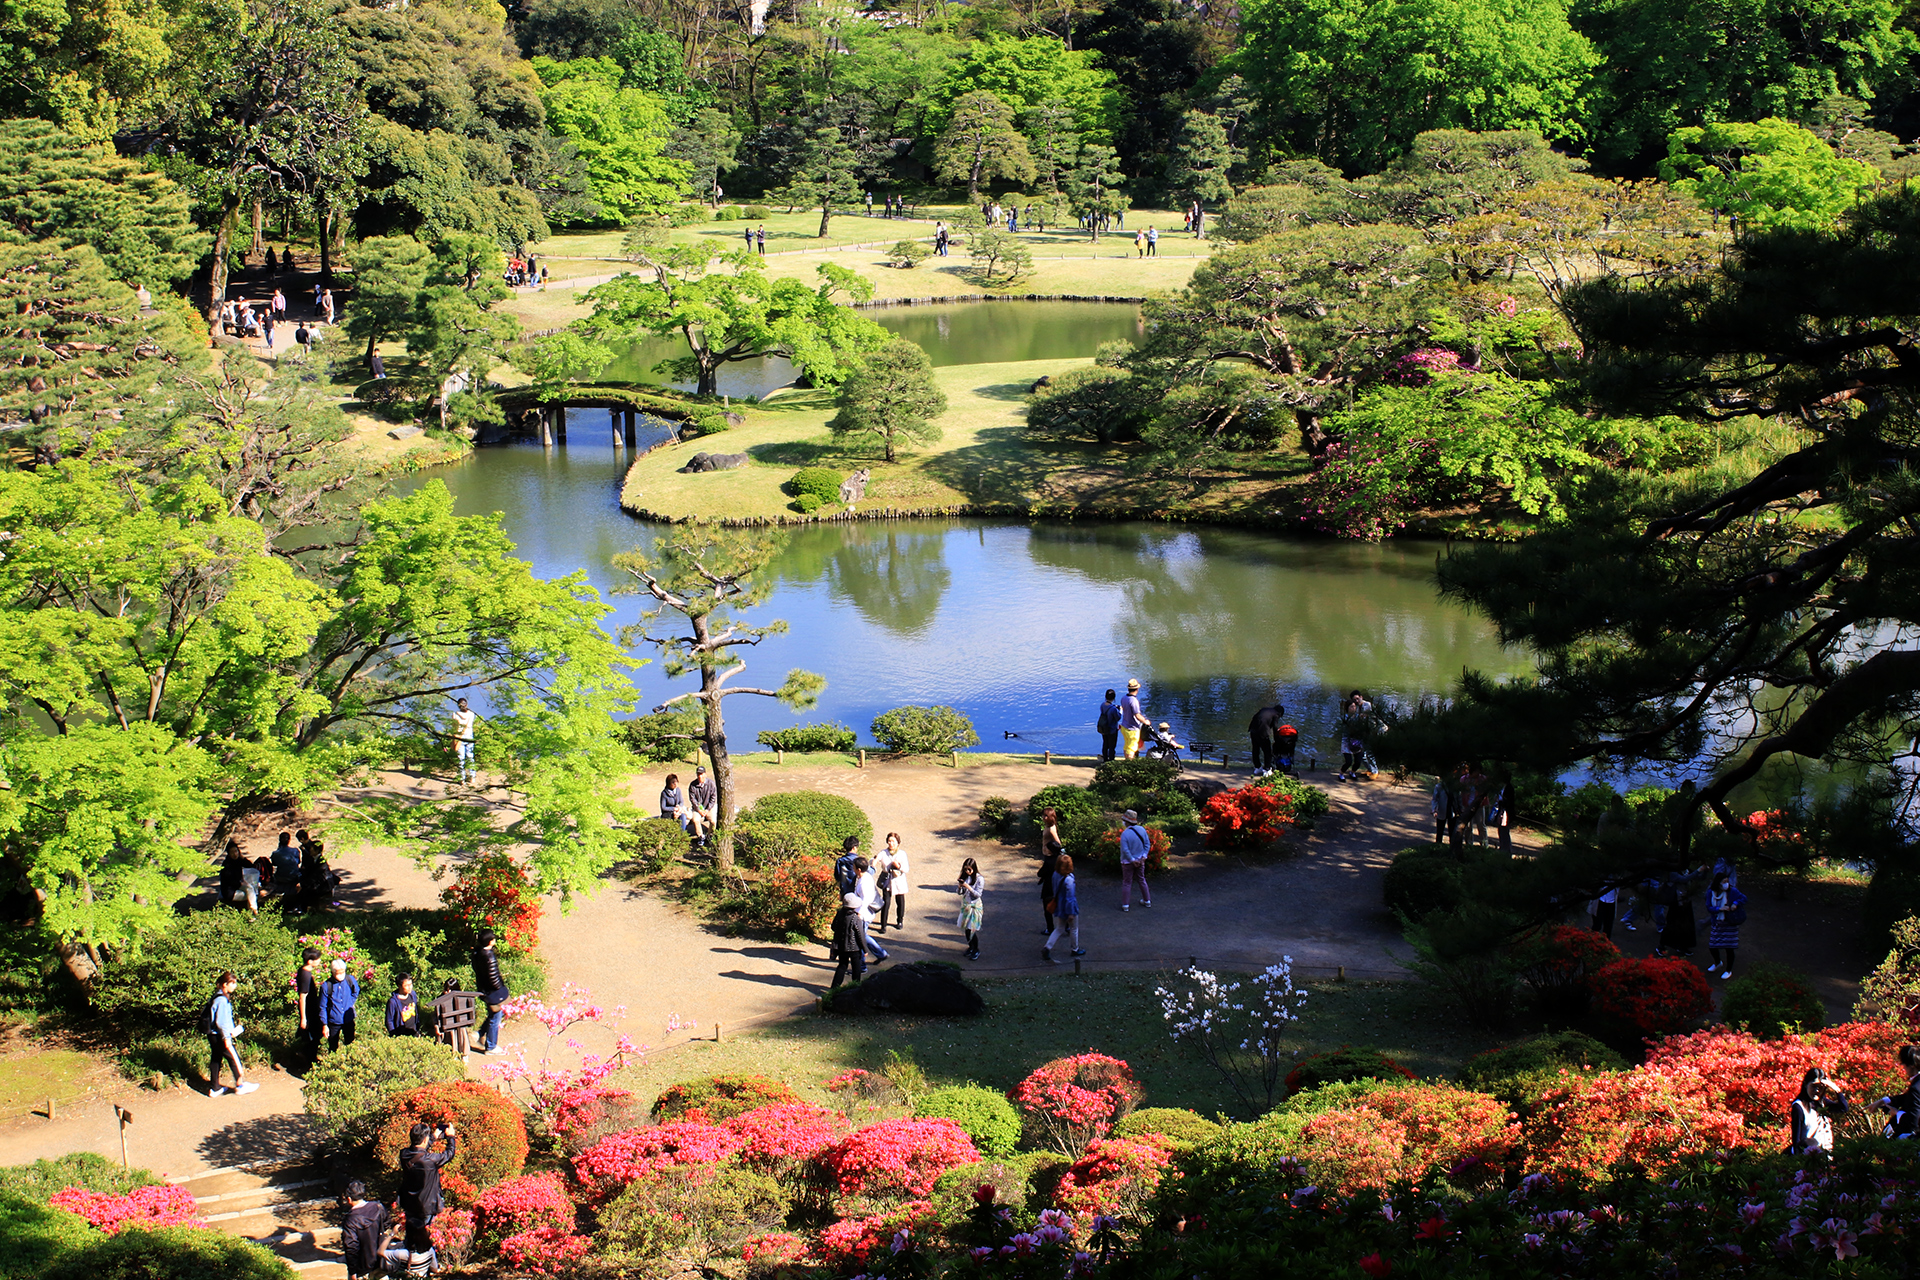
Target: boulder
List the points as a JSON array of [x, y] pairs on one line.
[[715, 462], [922, 986], [403, 433], [1044, 380], [1199, 790], [735, 419], [854, 487]]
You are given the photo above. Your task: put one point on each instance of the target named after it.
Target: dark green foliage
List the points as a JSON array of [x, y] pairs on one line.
[[1771, 1000], [1421, 880], [754, 213], [37, 1181], [985, 1114], [172, 1253], [1176, 1124], [35, 1235], [997, 817], [908, 254], [1892, 897], [924, 731], [763, 844], [1342, 1066], [1310, 803], [346, 1093], [166, 985], [1116, 777], [711, 1099], [1090, 404], [1065, 799], [704, 1214], [1519, 1073], [834, 817], [656, 843], [807, 503], [665, 737], [809, 737], [822, 482]]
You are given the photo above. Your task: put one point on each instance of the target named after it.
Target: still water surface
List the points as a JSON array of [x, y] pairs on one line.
[[1023, 627]]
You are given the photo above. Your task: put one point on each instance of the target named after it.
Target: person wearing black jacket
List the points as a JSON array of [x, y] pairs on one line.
[[492, 986], [363, 1236], [420, 1167], [1263, 729], [1108, 726]]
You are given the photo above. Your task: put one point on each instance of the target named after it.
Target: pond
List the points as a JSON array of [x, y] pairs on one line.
[[958, 333], [1023, 627]]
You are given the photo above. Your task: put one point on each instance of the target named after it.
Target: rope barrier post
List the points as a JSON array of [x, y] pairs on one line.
[[863, 757], [956, 759], [1076, 968], [1340, 974]]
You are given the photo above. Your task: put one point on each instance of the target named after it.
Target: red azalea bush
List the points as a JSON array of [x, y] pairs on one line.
[[774, 1252], [898, 1158], [1116, 1177], [452, 1234], [1757, 1079], [1348, 1148], [1654, 997], [1246, 817], [846, 1245], [1557, 962], [778, 1138], [458, 1189], [493, 1136], [495, 892], [712, 1099], [1106, 849], [1366, 485], [1774, 827], [1447, 1128], [521, 1204], [799, 895], [615, 1161], [1629, 1120], [147, 1207], [584, 1114], [545, 1251], [1072, 1101]]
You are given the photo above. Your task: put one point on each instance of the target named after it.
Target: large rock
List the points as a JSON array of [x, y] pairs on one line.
[[715, 462], [920, 987], [1199, 790], [854, 487]]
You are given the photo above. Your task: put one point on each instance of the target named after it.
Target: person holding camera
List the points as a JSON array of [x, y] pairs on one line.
[[1903, 1108], [1814, 1109], [420, 1166]]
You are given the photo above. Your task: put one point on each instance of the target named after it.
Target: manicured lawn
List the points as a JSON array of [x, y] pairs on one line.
[[1031, 1020]]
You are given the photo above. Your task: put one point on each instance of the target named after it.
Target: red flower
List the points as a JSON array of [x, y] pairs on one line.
[[1246, 817], [985, 1193], [898, 1157], [1432, 1229], [1075, 1100], [1375, 1265]]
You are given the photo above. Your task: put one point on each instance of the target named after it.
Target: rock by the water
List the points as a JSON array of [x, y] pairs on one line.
[[715, 462], [1199, 790], [922, 986], [854, 487], [402, 433]]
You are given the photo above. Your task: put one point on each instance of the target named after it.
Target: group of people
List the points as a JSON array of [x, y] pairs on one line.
[[263, 317], [1668, 902], [1819, 1103], [1123, 725], [942, 239], [756, 238], [1467, 804], [298, 873], [1196, 220], [1146, 242], [525, 272], [696, 808], [371, 1241], [871, 887], [890, 206]]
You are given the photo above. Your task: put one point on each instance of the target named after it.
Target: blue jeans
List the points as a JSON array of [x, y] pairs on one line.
[[463, 749], [490, 1029]]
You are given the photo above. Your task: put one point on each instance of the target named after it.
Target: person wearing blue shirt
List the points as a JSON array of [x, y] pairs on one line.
[[286, 863], [222, 1031], [1108, 726], [403, 1010], [1133, 718], [1135, 844], [338, 995]]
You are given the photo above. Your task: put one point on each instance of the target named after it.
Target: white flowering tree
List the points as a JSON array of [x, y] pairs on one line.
[[1237, 1026]]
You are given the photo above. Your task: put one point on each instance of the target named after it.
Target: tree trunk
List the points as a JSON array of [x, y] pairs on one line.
[[826, 212], [323, 233], [259, 227], [222, 242], [716, 736], [709, 380]]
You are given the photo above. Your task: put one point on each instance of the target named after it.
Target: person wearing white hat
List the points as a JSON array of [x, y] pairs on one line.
[[1133, 718]]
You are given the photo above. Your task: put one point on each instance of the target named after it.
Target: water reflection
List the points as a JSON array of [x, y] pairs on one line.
[[894, 577]]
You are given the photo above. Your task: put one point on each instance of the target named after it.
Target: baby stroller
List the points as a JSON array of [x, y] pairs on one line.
[[1157, 742]]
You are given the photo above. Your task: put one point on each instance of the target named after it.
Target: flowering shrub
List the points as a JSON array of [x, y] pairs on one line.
[[1418, 367], [458, 1189], [1116, 1176], [1210, 1015], [545, 1251], [494, 892], [711, 1099], [1654, 997], [620, 1159], [1771, 1000], [860, 1091], [1636, 1121], [1757, 1079], [1106, 848], [1246, 817], [1072, 1101], [492, 1136], [338, 943], [146, 1207], [781, 1137], [1775, 830], [549, 1084], [1366, 486], [1348, 1149], [521, 1204], [986, 1115], [846, 1245], [1336, 1066], [774, 1252], [1557, 962], [897, 1157], [583, 1115], [452, 1234], [797, 896], [1447, 1128]]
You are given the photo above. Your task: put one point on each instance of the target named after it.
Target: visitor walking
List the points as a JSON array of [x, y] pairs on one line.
[[1812, 1113], [868, 196], [1153, 242], [940, 238], [866, 887], [971, 908], [849, 939], [1066, 906], [306, 999], [1139, 243], [338, 996], [279, 301], [1107, 724], [898, 870], [221, 1031], [420, 1165], [1726, 912], [1353, 737], [1442, 809], [1477, 800], [492, 986], [703, 803], [1136, 842], [363, 1236], [1261, 732], [463, 718], [1679, 934], [1133, 718], [1051, 851], [326, 304], [403, 1010]]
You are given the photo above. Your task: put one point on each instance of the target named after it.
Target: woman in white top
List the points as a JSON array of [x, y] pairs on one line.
[[1813, 1111], [893, 869], [970, 906]]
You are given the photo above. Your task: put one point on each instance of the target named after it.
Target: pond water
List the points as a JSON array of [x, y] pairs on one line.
[[1023, 627], [957, 333]]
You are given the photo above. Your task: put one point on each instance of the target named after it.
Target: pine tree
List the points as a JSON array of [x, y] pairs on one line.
[[980, 143], [1093, 188], [891, 396], [828, 173]]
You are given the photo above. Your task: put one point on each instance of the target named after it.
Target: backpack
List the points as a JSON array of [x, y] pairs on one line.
[[206, 1023], [1109, 717]]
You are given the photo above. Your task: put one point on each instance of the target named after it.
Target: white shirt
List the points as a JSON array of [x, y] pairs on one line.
[[895, 859], [463, 725], [867, 892]]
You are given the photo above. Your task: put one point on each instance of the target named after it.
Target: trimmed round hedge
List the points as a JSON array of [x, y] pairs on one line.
[[1520, 1074], [712, 1099], [1771, 1000], [986, 1115], [492, 1136], [1176, 1124], [347, 1093], [1422, 880], [822, 482], [834, 817]]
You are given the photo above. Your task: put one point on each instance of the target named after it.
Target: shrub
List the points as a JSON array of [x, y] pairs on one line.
[[625, 1157], [1520, 1074], [834, 817], [782, 1136], [1245, 818], [986, 1116], [492, 1136], [959, 1191], [1891, 993], [1338, 1066], [1771, 1000], [863, 1091], [908, 254], [36, 1183], [797, 896], [1116, 1177], [347, 1093], [809, 737], [656, 843], [664, 736], [708, 1212], [712, 1099], [494, 892], [764, 845], [1635, 1121], [1466, 1135], [1090, 403], [169, 1253], [521, 1204], [1071, 1101], [996, 817], [725, 214], [1652, 997], [1422, 880], [808, 503], [1557, 961], [170, 980], [583, 1115], [910, 731], [1309, 803], [685, 215], [148, 1207], [452, 1234], [846, 1245], [1066, 800], [1179, 1126], [822, 482], [897, 1158], [1116, 778], [1757, 1079], [1106, 848], [545, 1251]]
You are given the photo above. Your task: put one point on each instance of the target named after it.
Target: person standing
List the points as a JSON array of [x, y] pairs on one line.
[[1153, 242], [492, 986], [1726, 912], [899, 871], [1108, 725], [760, 239], [1136, 842], [326, 304], [306, 998], [748, 233], [377, 365], [846, 868], [420, 1165], [463, 739], [1261, 731], [1051, 851], [279, 303], [1442, 809], [403, 1010], [866, 892], [221, 1031], [338, 996], [971, 907], [1602, 911], [1679, 934], [1066, 907], [1478, 799], [849, 940], [703, 803], [1501, 815], [868, 195], [1811, 1115], [1133, 719]]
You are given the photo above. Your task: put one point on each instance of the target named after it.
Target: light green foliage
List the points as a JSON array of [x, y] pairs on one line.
[[702, 1216], [1202, 158], [895, 71], [834, 817], [1000, 258], [1769, 174], [1352, 81], [1894, 984], [907, 254], [891, 396], [1094, 185], [656, 844], [346, 1093], [822, 482], [1025, 72], [980, 143], [165, 984], [1310, 803], [762, 845], [169, 1253], [986, 1115], [664, 737], [454, 335], [924, 730], [1176, 1124], [622, 134], [57, 187], [834, 737]]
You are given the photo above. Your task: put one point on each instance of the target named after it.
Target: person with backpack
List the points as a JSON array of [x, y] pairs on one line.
[[338, 996], [365, 1235], [420, 1165], [1066, 908], [1262, 730], [1136, 842], [221, 1030], [1812, 1114], [1726, 912], [492, 986], [1107, 724]]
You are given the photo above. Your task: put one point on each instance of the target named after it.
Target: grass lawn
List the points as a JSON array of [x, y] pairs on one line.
[[28, 1079], [1031, 1020]]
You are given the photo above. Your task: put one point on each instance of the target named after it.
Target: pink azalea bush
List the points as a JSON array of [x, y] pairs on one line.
[[1072, 1101], [143, 1207], [338, 943], [1116, 1177], [545, 1251], [778, 1138], [521, 1204], [848, 1244], [898, 1158], [613, 1162]]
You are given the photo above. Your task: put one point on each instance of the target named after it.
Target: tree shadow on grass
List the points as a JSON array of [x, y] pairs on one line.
[[798, 400], [1005, 391], [819, 452]]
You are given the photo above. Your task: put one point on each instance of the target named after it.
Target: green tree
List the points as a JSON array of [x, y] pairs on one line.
[[704, 579], [389, 273], [980, 143], [1093, 188], [1055, 142], [1023, 73], [892, 397], [454, 335], [705, 145], [1768, 174], [1353, 81], [827, 173], [622, 135], [1201, 159], [996, 252]]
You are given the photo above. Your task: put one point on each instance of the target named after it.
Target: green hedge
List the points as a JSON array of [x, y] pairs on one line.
[[171, 1253], [985, 1114], [822, 482], [809, 737], [924, 731], [1771, 1000], [347, 1092], [834, 817]]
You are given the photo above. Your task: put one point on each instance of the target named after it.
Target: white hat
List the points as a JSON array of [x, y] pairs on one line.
[[1131, 816]]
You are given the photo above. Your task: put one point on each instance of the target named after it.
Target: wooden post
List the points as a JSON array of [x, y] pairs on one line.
[[560, 423], [613, 425], [50, 1106], [1340, 974], [1046, 757], [546, 427], [633, 437], [956, 759], [863, 757]]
